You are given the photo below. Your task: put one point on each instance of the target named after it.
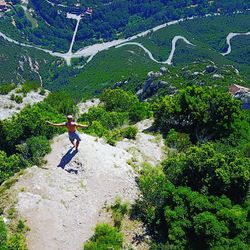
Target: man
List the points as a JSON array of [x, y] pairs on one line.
[[72, 126]]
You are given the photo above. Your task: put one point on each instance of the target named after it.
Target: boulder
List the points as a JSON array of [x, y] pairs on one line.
[[211, 69], [163, 70]]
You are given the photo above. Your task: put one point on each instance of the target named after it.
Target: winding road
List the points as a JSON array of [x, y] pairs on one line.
[[229, 38], [90, 51], [170, 58]]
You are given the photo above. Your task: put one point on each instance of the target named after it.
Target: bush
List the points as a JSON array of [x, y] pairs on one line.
[[109, 120], [129, 132], [96, 129], [9, 165], [178, 141], [211, 172], [3, 235], [34, 149], [115, 135], [139, 111], [62, 102], [42, 91], [204, 114], [15, 240], [119, 210], [16, 98], [185, 219], [105, 237], [28, 86], [118, 100], [6, 88], [29, 122]]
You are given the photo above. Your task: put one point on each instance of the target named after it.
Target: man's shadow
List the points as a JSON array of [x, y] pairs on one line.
[[66, 159]]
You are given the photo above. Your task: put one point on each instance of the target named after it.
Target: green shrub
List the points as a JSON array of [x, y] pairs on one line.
[[16, 98], [139, 111], [183, 219], [6, 88], [34, 149], [9, 165], [203, 113], [62, 102], [13, 240], [96, 129], [129, 132], [211, 172], [119, 210], [118, 100], [179, 141], [105, 237], [17, 241], [28, 86], [3, 235], [42, 91], [109, 120], [115, 135]]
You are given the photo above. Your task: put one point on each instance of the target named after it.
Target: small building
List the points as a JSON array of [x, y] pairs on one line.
[[3, 6], [241, 93], [234, 89]]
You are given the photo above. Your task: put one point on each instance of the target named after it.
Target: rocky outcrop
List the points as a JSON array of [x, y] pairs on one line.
[[153, 84], [63, 201]]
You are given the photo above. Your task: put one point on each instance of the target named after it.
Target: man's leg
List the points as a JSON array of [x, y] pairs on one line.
[[77, 144], [72, 141]]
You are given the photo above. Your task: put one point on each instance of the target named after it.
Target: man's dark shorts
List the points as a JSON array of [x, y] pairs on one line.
[[74, 136]]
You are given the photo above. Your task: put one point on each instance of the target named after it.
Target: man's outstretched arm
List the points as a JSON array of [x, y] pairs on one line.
[[55, 124], [81, 125]]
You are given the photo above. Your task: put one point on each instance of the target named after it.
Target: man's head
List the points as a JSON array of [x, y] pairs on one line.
[[70, 118]]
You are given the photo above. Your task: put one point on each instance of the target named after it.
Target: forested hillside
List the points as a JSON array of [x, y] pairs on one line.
[[198, 197], [54, 29]]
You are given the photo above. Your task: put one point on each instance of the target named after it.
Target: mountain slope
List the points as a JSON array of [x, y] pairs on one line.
[[62, 207], [62, 204]]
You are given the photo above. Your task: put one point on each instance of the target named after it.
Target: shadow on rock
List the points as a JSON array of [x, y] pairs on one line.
[[66, 159]]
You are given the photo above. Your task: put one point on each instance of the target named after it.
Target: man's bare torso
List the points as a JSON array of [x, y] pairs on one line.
[[71, 126]]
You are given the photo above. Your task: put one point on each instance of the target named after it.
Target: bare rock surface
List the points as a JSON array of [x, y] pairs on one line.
[[62, 200], [84, 107], [9, 107], [146, 147]]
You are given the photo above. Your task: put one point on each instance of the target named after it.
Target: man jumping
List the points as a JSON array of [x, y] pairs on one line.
[[72, 126]]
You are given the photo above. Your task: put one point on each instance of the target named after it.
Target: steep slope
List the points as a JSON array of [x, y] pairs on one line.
[[61, 206], [10, 107], [62, 201]]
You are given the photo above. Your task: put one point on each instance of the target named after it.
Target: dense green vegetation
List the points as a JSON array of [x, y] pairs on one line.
[[25, 137], [202, 113], [111, 119], [6, 88], [54, 30], [15, 240], [130, 64], [199, 197], [209, 37], [105, 237], [18, 63]]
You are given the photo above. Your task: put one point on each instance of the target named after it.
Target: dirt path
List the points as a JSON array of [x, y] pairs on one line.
[[62, 206]]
